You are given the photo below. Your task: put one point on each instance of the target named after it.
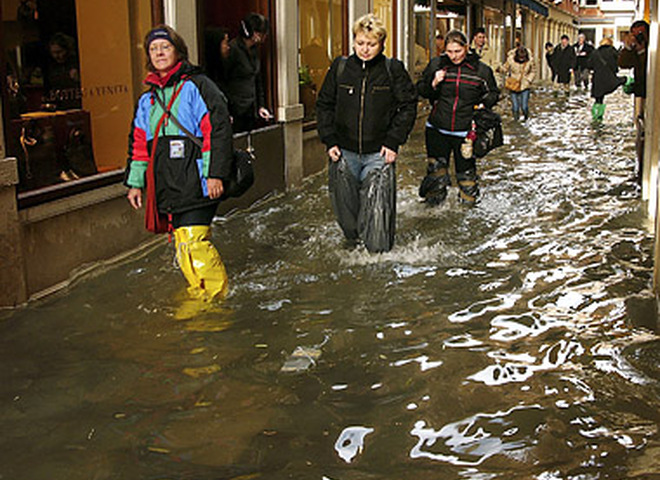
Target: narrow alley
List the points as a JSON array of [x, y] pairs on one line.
[[516, 339]]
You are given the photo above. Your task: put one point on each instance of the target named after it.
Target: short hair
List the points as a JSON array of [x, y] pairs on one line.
[[177, 40], [479, 30], [607, 41], [370, 25], [456, 36], [253, 23], [565, 37], [640, 23], [548, 44]]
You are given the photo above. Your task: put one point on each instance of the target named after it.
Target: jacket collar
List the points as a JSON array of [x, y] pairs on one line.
[[471, 60], [155, 80], [370, 63]]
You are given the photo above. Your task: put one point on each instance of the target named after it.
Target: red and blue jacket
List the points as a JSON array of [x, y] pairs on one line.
[[466, 85], [180, 167]]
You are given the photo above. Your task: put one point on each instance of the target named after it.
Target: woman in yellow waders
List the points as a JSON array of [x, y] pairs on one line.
[[180, 153]]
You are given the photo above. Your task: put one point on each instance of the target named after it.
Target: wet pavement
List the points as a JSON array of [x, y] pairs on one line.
[[516, 339]]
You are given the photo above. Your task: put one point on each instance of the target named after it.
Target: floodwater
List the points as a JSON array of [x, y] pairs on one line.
[[515, 340]]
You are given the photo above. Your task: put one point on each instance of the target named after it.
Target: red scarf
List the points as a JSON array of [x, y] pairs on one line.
[[155, 221]]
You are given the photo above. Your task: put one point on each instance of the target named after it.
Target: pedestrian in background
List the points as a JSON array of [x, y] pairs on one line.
[[603, 63], [520, 72], [242, 70], [481, 47], [634, 55], [366, 109], [216, 52], [455, 83], [549, 48], [180, 152], [563, 61], [583, 51]]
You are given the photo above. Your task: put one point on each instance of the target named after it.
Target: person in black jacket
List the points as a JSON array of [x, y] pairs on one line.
[[563, 61], [603, 62], [549, 49], [455, 83], [366, 109], [583, 51], [242, 71]]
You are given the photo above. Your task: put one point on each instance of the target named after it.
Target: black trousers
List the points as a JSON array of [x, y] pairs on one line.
[[439, 145], [198, 216]]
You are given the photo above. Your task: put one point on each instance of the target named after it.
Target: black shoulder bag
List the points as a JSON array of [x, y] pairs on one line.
[[242, 171]]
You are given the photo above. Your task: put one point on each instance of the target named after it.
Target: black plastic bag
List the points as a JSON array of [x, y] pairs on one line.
[[489, 132], [345, 197], [377, 216]]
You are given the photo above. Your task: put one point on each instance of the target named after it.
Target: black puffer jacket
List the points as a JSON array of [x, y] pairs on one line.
[[243, 81], [465, 85], [366, 108]]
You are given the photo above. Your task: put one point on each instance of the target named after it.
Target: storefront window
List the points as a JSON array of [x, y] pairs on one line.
[[74, 71], [383, 10], [421, 51], [322, 27]]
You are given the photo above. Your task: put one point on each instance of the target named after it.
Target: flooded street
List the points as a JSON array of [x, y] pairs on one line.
[[515, 340]]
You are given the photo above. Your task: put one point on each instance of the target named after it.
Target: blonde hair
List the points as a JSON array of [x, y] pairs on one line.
[[607, 41], [370, 25]]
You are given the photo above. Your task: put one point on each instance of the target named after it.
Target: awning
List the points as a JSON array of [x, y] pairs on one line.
[[534, 6]]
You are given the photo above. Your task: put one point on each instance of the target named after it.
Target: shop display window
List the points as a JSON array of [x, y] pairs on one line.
[[73, 71], [323, 36]]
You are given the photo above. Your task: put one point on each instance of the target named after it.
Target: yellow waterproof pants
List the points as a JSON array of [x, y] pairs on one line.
[[200, 262]]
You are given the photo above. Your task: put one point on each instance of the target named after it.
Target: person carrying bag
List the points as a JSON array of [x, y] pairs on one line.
[[520, 73]]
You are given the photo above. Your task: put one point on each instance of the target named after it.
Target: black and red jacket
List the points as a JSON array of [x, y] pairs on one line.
[[465, 85]]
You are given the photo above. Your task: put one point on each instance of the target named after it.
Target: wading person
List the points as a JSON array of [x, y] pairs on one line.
[[455, 83], [583, 51], [481, 47], [563, 61], [603, 62], [365, 111], [520, 73], [634, 55], [242, 74], [549, 49], [179, 152]]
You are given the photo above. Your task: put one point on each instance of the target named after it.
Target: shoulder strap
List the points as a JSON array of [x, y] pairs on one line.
[[168, 114], [341, 67]]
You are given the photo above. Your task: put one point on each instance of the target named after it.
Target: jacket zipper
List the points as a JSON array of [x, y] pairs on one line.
[[362, 97]]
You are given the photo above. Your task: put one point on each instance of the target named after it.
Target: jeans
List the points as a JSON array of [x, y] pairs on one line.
[[581, 76], [520, 100], [361, 164]]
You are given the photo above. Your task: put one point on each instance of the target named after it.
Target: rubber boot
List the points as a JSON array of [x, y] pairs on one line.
[[434, 186], [200, 262], [468, 187], [597, 111]]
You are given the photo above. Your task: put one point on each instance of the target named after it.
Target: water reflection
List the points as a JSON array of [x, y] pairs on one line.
[[516, 339]]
